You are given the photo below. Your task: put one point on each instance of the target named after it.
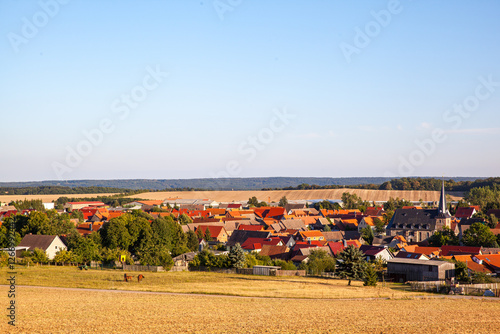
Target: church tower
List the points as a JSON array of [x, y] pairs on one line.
[[443, 217]]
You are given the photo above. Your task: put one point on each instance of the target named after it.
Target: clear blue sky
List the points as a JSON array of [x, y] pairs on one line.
[[359, 101]]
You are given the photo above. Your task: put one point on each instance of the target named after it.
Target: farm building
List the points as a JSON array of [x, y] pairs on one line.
[[420, 270], [265, 270]]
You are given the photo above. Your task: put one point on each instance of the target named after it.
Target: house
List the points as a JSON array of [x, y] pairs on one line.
[[51, 244], [375, 252], [217, 233], [408, 255], [465, 212], [430, 252], [447, 250], [310, 236], [240, 236], [473, 265], [403, 270]]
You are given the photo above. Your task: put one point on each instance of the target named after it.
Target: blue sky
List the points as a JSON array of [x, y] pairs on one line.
[[375, 88]]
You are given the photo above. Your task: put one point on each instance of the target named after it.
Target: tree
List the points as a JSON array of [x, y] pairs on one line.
[[379, 225], [207, 236], [64, 256], [320, 262], [115, 234], [388, 216], [253, 201], [351, 201], [367, 234], [237, 256], [479, 235], [444, 237], [192, 241], [283, 202], [370, 275], [492, 221], [350, 263], [39, 256], [185, 219]]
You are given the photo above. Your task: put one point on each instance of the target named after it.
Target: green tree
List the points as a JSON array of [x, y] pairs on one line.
[[479, 235], [115, 234], [350, 263], [283, 202], [207, 236], [192, 241], [367, 234], [39, 256], [184, 219], [320, 262], [444, 237], [492, 221], [370, 275], [253, 201], [351, 201], [379, 225], [64, 256], [237, 256]]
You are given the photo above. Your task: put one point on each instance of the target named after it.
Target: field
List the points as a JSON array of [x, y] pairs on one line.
[[267, 196], [57, 310], [275, 195]]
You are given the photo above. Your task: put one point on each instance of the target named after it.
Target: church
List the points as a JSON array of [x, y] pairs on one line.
[[417, 225]]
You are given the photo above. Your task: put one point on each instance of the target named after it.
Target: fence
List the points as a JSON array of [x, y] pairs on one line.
[[462, 289], [135, 267], [291, 273]]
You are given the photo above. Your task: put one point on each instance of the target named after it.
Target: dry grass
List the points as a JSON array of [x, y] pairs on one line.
[[275, 195], [57, 311], [207, 283]]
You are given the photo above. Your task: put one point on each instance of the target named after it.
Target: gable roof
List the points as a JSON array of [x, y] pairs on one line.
[[37, 241], [459, 250], [240, 236]]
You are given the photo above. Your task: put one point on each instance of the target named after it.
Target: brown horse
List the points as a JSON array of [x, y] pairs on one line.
[[127, 277], [140, 277]]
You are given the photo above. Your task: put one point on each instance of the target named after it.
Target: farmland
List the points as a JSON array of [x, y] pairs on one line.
[[268, 195], [43, 310], [206, 283], [275, 195]]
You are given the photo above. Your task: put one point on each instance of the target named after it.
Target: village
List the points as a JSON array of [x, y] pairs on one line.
[[412, 243]]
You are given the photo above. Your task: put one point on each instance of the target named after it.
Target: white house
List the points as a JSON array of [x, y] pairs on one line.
[[51, 244]]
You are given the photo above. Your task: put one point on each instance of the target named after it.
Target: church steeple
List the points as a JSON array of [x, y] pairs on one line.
[[442, 202]]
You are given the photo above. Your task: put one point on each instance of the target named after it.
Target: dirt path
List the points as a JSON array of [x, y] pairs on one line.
[[250, 297]]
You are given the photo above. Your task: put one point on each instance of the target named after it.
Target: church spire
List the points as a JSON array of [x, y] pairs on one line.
[[442, 201]]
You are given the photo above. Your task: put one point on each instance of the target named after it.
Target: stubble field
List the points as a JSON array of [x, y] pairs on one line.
[[276, 195]]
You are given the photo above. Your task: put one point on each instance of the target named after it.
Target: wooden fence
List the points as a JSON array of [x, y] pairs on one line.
[[135, 267]]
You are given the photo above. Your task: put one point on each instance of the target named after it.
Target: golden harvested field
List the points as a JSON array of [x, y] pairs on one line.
[[46, 198], [46, 310], [275, 195]]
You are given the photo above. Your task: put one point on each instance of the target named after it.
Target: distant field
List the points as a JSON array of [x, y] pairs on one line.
[[272, 195], [46, 198], [50, 310], [275, 195]]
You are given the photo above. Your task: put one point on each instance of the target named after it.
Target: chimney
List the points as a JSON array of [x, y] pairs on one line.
[[344, 242]]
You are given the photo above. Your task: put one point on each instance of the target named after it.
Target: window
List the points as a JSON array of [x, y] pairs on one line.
[[430, 268]]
